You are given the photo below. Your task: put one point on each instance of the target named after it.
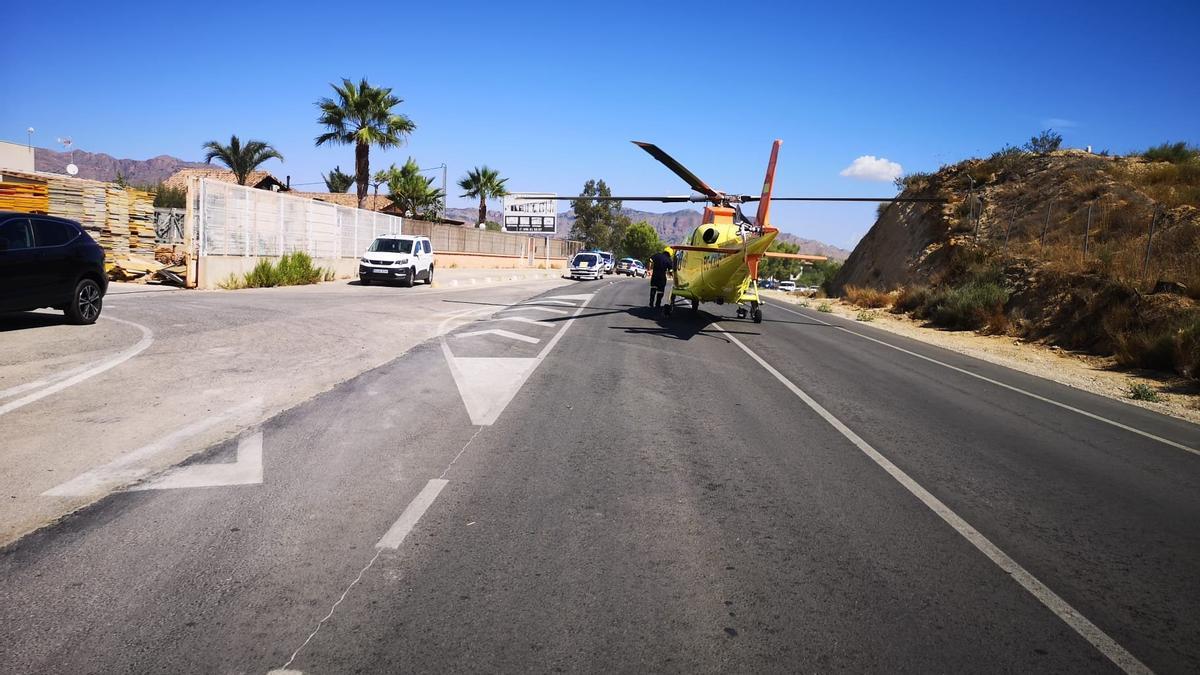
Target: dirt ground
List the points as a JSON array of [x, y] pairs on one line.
[[1179, 397]]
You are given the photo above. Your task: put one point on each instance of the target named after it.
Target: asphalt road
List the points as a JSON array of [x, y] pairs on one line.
[[577, 484]]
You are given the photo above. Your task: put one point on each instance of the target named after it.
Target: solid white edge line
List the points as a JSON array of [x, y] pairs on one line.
[[1068, 614], [1010, 387], [122, 357], [412, 513]]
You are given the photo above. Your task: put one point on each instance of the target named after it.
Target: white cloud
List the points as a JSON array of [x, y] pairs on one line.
[[870, 167], [1059, 123]]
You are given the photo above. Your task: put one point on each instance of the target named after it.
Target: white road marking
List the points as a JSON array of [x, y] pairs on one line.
[[574, 296], [1064, 611], [1010, 387], [523, 319], [551, 310], [487, 385], [500, 332], [412, 513], [122, 470], [94, 370], [247, 470], [548, 302]]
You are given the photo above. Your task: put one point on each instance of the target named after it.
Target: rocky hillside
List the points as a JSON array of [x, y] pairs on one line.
[[99, 166], [673, 226], [1086, 251]]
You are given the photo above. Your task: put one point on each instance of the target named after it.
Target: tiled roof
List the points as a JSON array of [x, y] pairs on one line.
[[347, 199], [179, 179]]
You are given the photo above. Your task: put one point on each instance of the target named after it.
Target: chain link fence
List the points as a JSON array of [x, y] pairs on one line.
[[235, 220], [1109, 235], [242, 221]]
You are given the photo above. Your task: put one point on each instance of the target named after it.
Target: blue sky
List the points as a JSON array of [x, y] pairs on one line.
[[552, 93]]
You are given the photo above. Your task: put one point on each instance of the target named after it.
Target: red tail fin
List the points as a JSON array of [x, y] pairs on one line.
[[764, 204]]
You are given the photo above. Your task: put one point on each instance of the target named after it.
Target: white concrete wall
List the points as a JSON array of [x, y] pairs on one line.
[[16, 156]]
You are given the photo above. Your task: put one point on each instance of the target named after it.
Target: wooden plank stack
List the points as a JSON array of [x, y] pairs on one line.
[[95, 209], [66, 198], [120, 219], [141, 222], [19, 193], [115, 237]]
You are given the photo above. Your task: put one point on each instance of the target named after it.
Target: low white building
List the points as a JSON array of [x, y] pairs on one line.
[[16, 156]]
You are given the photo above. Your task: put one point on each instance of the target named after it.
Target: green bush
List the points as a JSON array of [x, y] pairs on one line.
[[1143, 392], [824, 307], [969, 307], [1046, 142], [264, 275], [293, 269], [1175, 153], [297, 269]]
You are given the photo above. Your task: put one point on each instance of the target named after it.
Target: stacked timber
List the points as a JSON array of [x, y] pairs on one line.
[[115, 236], [141, 222], [95, 209], [24, 194]]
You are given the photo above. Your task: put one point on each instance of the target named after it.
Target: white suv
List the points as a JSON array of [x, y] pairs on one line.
[[787, 286], [397, 257]]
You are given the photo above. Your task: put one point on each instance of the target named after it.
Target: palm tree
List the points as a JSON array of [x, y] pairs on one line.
[[413, 193], [362, 115], [241, 159], [485, 184], [378, 178], [337, 180]]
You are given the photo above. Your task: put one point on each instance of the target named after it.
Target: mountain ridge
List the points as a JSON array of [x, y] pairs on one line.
[[104, 167], [672, 226]]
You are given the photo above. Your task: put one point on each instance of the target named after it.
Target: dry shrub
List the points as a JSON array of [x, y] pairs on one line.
[[910, 299], [871, 298]]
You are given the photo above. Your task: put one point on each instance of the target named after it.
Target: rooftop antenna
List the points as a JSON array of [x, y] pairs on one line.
[[67, 143]]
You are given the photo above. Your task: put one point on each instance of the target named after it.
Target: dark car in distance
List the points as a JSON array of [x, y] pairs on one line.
[[50, 262]]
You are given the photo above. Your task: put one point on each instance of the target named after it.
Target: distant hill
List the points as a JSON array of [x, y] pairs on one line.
[[99, 166], [673, 226]]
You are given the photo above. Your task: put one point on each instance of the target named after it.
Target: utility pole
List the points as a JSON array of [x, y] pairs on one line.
[[445, 195]]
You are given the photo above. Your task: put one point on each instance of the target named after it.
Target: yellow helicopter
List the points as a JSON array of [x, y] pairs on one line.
[[719, 261]]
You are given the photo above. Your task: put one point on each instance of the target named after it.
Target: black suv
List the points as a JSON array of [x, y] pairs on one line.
[[50, 262]]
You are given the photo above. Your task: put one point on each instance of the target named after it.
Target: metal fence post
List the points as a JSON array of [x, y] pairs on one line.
[[1149, 241], [1046, 225], [1087, 230]]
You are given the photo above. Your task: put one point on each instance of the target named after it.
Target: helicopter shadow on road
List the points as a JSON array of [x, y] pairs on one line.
[[681, 324]]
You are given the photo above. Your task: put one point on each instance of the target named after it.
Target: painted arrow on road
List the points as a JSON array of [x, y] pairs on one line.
[[247, 470]]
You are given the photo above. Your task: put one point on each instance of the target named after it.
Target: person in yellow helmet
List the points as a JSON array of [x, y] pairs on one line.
[[660, 264]]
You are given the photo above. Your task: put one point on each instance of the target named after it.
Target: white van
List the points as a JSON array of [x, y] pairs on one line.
[[587, 265], [787, 286], [397, 257]]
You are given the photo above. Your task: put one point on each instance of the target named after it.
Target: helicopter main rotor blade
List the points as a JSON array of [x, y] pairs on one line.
[[680, 170], [664, 199], [930, 200]]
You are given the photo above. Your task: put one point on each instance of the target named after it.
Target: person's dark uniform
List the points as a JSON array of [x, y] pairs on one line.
[[660, 264]]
